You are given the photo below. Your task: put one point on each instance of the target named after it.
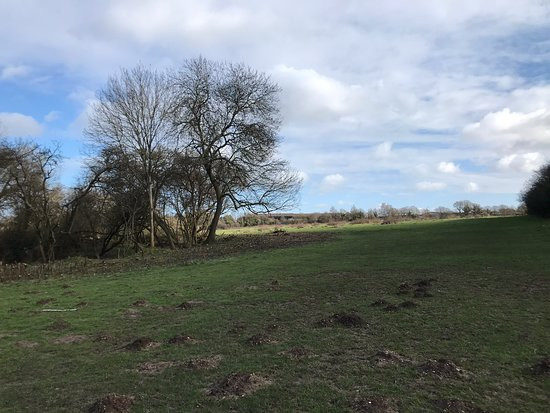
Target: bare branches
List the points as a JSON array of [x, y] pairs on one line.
[[227, 116]]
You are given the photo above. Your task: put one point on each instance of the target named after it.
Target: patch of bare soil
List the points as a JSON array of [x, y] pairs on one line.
[[157, 367], [542, 367], [379, 303], [143, 343], [45, 301], [203, 363], [59, 325], [443, 368], [350, 320], [26, 344], [457, 406], [375, 404], [182, 339], [237, 385], [112, 403], [408, 304], [187, 305], [70, 339], [140, 303], [388, 357], [260, 339]]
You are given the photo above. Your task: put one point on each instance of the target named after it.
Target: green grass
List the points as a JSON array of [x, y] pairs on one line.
[[490, 314]]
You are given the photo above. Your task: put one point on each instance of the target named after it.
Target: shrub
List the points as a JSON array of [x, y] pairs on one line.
[[537, 195]]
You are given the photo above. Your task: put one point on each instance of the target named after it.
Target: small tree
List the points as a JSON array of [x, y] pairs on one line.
[[537, 195]]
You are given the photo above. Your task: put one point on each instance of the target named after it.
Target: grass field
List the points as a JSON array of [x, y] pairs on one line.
[[302, 322]]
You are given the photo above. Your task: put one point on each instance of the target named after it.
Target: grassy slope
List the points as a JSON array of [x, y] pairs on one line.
[[489, 314]]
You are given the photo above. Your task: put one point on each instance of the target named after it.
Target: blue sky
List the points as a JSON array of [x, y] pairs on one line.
[[409, 103]]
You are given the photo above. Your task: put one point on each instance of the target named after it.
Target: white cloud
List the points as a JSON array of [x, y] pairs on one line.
[[310, 96], [332, 182], [471, 187], [430, 186], [525, 162], [19, 125], [507, 130], [52, 116], [11, 72], [383, 150], [448, 167]]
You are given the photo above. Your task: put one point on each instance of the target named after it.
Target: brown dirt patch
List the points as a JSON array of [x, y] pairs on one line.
[[203, 363], [237, 385], [388, 357], [143, 343], [70, 339], [155, 367], [457, 406], [140, 303], [182, 339], [542, 367], [443, 368], [26, 344], [44, 301], [112, 403], [59, 325], [260, 339], [374, 404], [350, 320], [379, 303]]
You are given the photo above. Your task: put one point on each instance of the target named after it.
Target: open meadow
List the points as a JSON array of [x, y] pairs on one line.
[[420, 316]]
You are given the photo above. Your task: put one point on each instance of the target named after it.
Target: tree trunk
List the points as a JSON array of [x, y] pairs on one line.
[[214, 224], [151, 215]]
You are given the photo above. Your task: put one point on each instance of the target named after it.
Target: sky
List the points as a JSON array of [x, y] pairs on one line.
[[421, 102]]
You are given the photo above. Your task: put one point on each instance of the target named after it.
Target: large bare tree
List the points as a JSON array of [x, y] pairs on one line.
[[227, 117], [131, 115]]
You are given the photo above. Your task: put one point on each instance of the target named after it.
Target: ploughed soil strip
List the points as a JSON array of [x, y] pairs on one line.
[[224, 246]]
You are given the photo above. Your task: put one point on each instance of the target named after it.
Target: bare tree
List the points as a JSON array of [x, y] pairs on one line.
[[131, 114], [34, 197], [227, 117]]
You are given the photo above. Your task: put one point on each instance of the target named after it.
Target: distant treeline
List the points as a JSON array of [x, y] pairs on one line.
[[384, 214]]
